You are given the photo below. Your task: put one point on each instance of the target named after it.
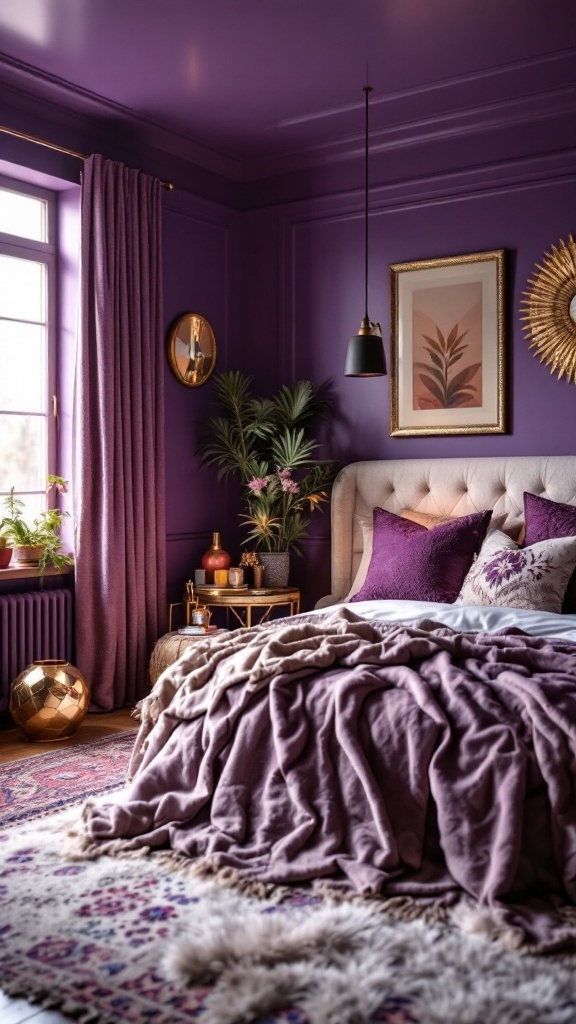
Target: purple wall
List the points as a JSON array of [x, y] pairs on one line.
[[282, 282], [316, 302], [200, 257], [312, 297]]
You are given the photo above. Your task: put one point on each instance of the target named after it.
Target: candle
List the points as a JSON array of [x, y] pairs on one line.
[[221, 577], [236, 576]]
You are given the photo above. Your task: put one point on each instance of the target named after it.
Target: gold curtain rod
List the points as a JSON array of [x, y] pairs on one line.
[[60, 149]]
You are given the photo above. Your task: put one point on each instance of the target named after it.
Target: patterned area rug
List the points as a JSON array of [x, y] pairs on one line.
[[142, 941], [49, 782]]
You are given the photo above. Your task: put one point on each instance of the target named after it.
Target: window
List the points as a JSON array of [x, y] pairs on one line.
[[27, 341]]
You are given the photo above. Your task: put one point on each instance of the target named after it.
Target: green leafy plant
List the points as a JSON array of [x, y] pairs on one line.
[[43, 531], [449, 390], [265, 442]]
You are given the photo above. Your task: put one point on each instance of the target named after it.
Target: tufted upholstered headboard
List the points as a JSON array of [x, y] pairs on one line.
[[452, 487]]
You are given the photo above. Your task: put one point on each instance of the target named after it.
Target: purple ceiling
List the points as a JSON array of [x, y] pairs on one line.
[[248, 81]]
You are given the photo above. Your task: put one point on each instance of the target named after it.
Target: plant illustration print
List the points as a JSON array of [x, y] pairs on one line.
[[447, 385]]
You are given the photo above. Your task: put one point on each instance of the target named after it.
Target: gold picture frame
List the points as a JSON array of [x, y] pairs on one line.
[[447, 347], [191, 350], [549, 310]]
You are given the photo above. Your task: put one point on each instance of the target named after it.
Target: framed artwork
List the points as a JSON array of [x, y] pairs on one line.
[[447, 348], [191, 350]]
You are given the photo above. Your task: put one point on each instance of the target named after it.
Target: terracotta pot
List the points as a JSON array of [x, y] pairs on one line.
[[28, 554], [49, 699], [5, 556]]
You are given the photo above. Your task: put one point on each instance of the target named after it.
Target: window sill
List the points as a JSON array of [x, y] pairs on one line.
[[30, 572]]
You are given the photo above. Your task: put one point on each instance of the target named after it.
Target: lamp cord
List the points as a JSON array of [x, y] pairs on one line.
[[367, 91]]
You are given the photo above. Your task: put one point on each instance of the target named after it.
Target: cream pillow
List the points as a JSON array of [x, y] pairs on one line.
[[366, 525], [509, 576]]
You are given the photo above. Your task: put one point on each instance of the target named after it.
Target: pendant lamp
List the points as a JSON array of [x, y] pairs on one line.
[[365, 355]]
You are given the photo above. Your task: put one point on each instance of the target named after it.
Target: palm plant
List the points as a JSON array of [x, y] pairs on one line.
[[265, 442]]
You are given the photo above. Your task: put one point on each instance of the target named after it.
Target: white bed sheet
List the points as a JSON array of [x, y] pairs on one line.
[[464, 618]]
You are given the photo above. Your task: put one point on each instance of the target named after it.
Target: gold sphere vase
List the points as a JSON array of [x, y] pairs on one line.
[[48, 700]]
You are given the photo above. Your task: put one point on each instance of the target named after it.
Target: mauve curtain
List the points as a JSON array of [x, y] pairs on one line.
[[119, 434]]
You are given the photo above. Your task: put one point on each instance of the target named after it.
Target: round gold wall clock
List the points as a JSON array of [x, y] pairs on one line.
[[549, 310], [191, 350]]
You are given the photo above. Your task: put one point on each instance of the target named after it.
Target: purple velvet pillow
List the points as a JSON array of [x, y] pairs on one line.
[[411, 563], [547, 520]]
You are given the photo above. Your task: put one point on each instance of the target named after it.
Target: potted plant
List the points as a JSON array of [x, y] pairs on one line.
[[37, 543], [5, 553], [265, 442]]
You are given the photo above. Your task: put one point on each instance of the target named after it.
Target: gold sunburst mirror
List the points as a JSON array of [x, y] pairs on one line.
[[549, 309]]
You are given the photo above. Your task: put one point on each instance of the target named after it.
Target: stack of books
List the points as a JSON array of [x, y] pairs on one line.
[[199, 630]]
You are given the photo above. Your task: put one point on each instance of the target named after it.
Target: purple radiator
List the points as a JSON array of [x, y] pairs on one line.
[[32, 626]]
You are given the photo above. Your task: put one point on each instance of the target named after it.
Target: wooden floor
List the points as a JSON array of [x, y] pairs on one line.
[[13, 747]]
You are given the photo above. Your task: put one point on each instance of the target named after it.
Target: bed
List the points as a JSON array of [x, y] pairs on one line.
[[404, 739]]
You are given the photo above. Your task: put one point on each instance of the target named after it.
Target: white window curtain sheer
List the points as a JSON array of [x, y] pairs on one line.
[[119, 434]]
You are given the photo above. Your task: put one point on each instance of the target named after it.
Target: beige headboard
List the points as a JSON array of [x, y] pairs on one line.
[[453, 487]]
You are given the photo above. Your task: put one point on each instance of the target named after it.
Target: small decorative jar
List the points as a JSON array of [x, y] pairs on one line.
[[220, 577], [215, 558], [201, 616], [236, 576]]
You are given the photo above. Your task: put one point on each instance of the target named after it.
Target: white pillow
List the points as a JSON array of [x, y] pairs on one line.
[[534, 578]]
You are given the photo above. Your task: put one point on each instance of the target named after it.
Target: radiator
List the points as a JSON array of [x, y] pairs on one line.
[[33, 626]]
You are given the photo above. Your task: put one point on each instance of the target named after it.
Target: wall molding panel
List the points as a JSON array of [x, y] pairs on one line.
[[490, 104]]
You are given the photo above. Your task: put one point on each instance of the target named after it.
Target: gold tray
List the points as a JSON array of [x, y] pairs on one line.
[[204, 590]]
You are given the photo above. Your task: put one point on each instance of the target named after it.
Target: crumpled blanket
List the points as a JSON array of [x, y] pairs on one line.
[[385, 759]]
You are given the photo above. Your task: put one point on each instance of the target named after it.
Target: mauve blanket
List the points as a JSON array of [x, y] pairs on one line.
[[386, 759]]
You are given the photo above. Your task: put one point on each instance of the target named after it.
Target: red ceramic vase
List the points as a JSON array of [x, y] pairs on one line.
[[215, 558]]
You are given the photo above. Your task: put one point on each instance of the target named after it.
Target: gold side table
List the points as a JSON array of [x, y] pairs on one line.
[[241, 603], [188, 609]]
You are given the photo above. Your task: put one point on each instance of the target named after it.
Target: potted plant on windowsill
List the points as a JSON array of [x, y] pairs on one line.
[[5, 553], [265, 442], [37, 543]]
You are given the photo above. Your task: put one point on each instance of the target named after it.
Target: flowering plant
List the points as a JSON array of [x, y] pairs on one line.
[[44, 531], [264, 442]]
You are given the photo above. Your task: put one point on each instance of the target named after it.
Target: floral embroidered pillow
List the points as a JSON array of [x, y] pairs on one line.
[[533, 577]]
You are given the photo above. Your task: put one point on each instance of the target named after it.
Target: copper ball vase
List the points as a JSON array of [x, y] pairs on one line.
[[48, 700]]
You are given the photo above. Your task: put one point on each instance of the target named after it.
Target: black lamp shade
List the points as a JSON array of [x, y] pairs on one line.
[[365, 356]]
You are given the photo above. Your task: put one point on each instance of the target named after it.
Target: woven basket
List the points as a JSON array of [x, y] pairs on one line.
[[166, 651]]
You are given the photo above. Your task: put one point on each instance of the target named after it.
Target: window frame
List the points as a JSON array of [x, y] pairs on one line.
[[46, 253]]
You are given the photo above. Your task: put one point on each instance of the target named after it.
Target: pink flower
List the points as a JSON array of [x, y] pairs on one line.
[[290, 485], [284, 474], [257, 483], [58, 482]]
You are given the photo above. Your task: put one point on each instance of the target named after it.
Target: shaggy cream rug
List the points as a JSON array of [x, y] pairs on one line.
[[139, 940], [341, 964]]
